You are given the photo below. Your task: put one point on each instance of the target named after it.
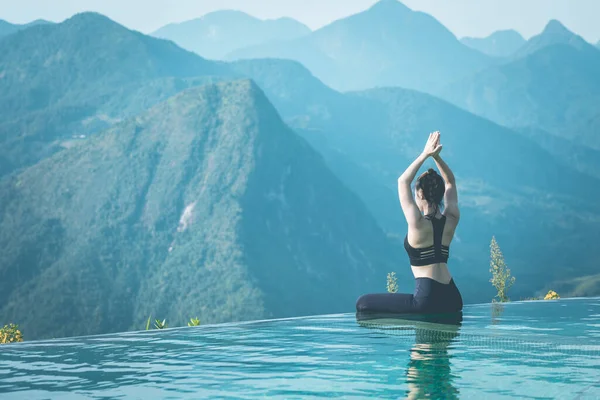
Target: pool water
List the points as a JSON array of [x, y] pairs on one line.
[[527, 350]]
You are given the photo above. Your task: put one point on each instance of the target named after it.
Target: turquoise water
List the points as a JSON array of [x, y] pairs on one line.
[[528, 350]]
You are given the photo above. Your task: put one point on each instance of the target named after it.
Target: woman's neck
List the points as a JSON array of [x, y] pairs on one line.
[[431, 210]]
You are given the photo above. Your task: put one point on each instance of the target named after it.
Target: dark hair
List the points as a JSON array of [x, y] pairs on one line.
[[433, 186]]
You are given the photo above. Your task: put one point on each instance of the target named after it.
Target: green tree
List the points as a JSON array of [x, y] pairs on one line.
[[501, 277]]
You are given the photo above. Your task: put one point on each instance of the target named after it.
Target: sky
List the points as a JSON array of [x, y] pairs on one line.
[[476, 18]]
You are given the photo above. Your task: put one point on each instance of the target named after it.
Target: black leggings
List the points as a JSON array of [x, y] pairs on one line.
[[430, 297]]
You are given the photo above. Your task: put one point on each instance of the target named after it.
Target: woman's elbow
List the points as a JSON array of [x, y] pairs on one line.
[[402, 180], [452, 212], [450, 183]]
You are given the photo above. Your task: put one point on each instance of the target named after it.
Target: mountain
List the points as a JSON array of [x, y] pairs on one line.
[[387, 45], [499, 44], [554, 33], [598, 44], [86, 53], [206, 205], [6, 28], [540, 210], [584, 286], [573, 154], [79, 77], [555, 88], [219, 33]]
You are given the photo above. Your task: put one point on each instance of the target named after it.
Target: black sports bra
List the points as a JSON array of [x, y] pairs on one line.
[[438, 253]]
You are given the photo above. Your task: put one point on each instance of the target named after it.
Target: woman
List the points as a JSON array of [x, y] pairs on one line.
[[430, 232]]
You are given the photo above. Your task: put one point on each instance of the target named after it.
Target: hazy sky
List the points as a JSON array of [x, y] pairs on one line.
[[463, 17]]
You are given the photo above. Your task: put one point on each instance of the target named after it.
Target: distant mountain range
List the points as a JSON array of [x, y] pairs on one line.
[[552, 84], [6, 28], [379, 47], [76, 77], [499, 44], [218, 33], [139, 178]]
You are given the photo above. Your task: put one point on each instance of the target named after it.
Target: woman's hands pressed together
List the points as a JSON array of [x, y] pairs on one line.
[[433, 146]]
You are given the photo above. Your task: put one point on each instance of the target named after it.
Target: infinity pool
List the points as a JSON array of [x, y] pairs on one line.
[[526, 350]]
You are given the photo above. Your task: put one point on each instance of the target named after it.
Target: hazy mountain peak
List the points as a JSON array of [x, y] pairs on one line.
[[499, 44], [223, 14], [389, 15], [214, 17], [554, 27], [32, 23], [89, 19], [287, 19], [248, 98], [218, 33], [89, 16], [553, 34], [7, 28], [39, 21], [506, 33], [389, 6], [233, 16]]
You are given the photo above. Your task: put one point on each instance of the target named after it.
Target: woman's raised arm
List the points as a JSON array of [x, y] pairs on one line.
[[451, 194], [409, 206]]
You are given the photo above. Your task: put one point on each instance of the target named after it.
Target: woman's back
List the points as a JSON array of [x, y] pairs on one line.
[[422, 236]]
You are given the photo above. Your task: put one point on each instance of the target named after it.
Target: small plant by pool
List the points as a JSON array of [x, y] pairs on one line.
[[392, 283], [551, 295], [501, 276], [10, 334]]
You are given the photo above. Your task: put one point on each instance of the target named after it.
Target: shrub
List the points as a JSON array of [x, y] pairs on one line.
[[501, 278], [392, 282], [551, 295], [10, 334]]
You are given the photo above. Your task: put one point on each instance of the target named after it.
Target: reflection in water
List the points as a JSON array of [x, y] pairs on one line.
[[428, 374], [497, 310]]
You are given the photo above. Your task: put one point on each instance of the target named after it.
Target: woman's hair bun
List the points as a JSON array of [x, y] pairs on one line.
[[432, 185]]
